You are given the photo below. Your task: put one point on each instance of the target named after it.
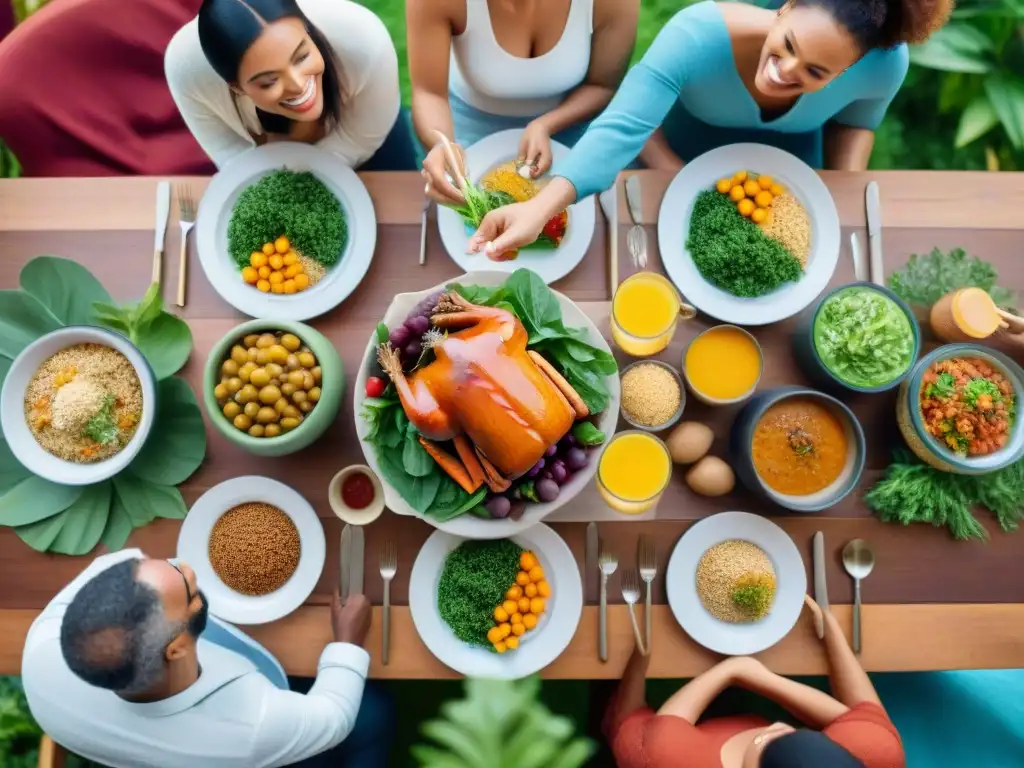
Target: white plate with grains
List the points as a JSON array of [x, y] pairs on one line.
[[736, 583]]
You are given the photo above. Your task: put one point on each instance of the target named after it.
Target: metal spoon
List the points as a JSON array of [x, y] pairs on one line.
[[858, 560]]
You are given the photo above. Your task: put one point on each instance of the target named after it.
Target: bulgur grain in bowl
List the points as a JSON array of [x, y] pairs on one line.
[[736, 583], [257, 548], [78, 404]]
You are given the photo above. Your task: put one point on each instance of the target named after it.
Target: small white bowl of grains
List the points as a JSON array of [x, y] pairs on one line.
[[653, 396], [78, 405]]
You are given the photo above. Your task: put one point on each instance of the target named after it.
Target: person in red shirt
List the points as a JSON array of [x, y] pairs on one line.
[[848, 729]]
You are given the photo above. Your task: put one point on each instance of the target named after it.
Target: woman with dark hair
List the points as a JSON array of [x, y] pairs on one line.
[[323, 72], [814, 78], [848, 729]]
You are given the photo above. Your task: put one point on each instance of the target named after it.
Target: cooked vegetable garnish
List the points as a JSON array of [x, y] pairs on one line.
[[863, 337], [733, 253], [102, 428], [967, 405], [296, 205], [474, 580]]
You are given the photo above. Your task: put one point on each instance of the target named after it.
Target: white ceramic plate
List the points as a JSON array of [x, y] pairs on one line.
[[681, 583], [12, 407], [194, 541], [674, 228], [467, 525], [551, 265], [215, 213], [537, 649]]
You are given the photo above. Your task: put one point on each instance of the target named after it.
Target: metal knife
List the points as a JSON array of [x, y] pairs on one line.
[[609, 200], [345, 561], [423, 232], [820, 587], [355, 586], [634, 199], [859, 268], [590, 568], [163, 212], [874, 208]]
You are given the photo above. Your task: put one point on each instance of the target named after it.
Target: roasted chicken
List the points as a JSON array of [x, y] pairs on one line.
[[502, 405]]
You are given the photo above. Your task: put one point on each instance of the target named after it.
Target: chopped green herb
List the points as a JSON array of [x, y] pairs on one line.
[[926, 279], [975, 388], [473, 583], [733, 253], [942, 388], [102, 428]]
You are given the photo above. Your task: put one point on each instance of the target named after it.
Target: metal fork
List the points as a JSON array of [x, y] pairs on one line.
[[648, 563], [607, 562], [636, 242], [388, 569], [186, 220], [631, 594]]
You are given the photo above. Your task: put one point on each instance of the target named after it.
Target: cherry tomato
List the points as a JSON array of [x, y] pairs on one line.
[[555, 229], [375, 387]]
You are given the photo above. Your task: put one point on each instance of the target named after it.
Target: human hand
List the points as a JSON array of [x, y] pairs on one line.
[[535, 148], [351, 621], [436, 167], [509, 228], [821, 618]]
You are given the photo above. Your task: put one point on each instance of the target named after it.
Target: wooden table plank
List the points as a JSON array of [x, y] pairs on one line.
[[896, 638]]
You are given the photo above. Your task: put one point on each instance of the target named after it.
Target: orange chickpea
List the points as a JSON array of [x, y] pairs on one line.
[[536, 573], [531, 590], [530, 621], [514, 593], [537, 605], [522, 578], [543, 589], [518, 630], [281, 245], [524, 604]]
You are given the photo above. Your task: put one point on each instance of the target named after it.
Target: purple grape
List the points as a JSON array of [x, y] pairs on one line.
[[518, 508], [576, 459], [559, 473], [566, 443], [547, 490], [417, 325], [547, 475], [399, 337], [535, 470], [499, 507], [551, 451], [411, 351]]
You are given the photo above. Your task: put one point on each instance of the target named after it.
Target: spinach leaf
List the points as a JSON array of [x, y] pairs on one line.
[[415, 459], [452, 501]]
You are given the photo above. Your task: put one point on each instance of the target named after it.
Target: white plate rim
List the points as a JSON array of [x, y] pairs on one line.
[[694, 618], [193, 539], [468, 525], [551, 266], [800, 179], [565, 608], [215, 211]]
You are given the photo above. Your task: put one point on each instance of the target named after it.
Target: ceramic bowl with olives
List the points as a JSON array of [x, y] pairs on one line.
[[273, 387]]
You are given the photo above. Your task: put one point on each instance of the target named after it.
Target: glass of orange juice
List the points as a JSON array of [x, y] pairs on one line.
[[645, 310], [634, 471]]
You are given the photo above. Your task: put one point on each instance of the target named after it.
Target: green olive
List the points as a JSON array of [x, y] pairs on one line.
[[307, 380], [295, 378], [221, 391], [292, 362], [271, 430], [306, 359], [242, 422], [238, 354], [233, 384], [291, 412], [314, 394], [256, 430], [274, 369], [266, 341], [270, 394], [262, 357], [259, 377], [317, 374], [250, 340], [290, 342], [287, 389], [252, 354], [289, 423], [229, 368], [278, 353], [232, 409], [280, 405], [305, 406], [299, 396], [266, 415], [251, 409], [247, 394]]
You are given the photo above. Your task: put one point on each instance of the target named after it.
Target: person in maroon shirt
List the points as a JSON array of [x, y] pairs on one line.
[[847, 729]]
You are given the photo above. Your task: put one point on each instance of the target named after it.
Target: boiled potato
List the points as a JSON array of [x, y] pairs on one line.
[[690, 441], [711, 476]]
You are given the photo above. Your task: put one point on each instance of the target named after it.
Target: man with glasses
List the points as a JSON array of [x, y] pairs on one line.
[[126, 667]]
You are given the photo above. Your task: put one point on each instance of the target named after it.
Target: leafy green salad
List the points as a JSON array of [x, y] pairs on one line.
[[864, 337]]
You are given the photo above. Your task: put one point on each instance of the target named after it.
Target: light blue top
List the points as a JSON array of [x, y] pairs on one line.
[[691, 62]]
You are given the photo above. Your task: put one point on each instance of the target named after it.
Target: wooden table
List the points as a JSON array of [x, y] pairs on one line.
[[932, 603]]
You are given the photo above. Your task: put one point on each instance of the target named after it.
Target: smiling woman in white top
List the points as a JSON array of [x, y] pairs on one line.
[[323, 72], [545, 67]]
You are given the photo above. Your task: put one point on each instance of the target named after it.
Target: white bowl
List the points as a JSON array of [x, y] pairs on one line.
[[347, 514], [194, 549], [468, 525], [12, 407], [537, 649]]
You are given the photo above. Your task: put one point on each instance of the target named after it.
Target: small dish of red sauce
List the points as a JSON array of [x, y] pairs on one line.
[[356, 495]]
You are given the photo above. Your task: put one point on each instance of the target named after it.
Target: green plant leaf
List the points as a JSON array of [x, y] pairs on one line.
[[66, 288], [84, 521], [456, 739], [1006, 93], [954, 48], [35, 499], [22, 320], [144, 501], [12, 471], [975, 121], [429, 757], [177, 443], [119, 525], [167, 343], [415, 459], [41, 534], [575, 755]]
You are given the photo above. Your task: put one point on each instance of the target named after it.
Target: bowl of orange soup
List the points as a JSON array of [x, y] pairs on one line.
[[798, 447], [722, 365]]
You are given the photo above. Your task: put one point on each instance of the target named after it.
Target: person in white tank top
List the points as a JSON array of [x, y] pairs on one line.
[[482, 66]]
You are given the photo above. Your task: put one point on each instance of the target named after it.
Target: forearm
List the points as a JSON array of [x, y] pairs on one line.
[[585, 101], [815, 708], [847, 678], [690, 701], [657, 154], [431, 112], [631, 694], [847, 148]]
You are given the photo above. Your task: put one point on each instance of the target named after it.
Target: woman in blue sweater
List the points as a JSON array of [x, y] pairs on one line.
[[814, 78]]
